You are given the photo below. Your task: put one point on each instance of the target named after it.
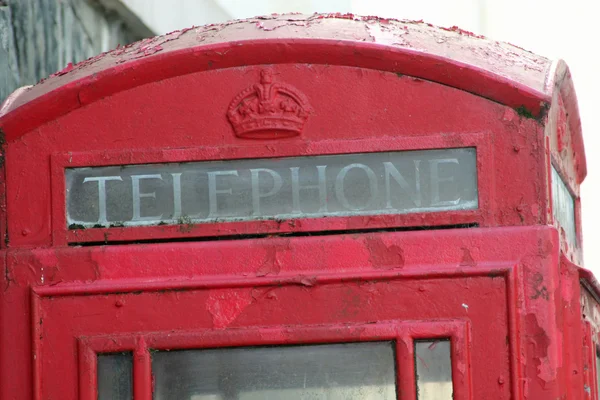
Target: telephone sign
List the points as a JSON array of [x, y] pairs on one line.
[[337, 185]]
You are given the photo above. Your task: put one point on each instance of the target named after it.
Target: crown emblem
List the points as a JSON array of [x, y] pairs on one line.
[[268, 110]]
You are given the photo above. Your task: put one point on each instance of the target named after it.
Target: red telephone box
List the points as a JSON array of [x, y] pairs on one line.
[[291, 207]]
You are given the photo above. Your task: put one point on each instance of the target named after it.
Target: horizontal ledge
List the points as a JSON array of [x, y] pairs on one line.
[[488, 269]]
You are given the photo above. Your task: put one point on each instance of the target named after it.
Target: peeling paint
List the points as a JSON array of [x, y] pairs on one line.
[[539, 343], [225, 306], [46, 267], [498, 58], [382, 255], [462, 32], [382, 34], [272, 262], [271, 25], [467, 259], [149, 46], [307, 281]]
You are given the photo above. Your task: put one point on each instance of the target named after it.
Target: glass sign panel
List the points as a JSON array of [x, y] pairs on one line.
[[274, 188], [345, 371], [563, 207]]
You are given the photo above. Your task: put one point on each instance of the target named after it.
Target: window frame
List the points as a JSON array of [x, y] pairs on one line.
[[402, 333]]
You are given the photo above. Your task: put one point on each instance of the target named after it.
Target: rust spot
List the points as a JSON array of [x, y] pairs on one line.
[[384, 256]]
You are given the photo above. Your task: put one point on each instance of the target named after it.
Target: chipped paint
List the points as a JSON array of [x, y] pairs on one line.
[[502, 59], [273, 259], [381, 33], [383, 255], [540, 345], [467, 259], [225, 306]]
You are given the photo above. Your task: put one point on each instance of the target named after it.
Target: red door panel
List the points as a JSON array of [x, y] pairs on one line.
[[286, 314]]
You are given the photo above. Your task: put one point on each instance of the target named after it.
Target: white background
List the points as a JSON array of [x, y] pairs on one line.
[[552, 28]]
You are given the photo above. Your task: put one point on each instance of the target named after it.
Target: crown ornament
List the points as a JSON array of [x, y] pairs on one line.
[[268, 110]]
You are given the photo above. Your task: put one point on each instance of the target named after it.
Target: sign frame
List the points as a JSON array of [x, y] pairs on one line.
[[251, 150]]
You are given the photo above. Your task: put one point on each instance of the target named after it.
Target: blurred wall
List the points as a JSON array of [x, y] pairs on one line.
[[40, 37]]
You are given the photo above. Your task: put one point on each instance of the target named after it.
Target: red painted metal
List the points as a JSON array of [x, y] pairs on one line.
[[508, 290], [142, 371]]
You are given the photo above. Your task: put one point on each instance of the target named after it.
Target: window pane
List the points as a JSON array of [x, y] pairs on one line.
[[563, 207], [115, 376], [434, 370], [330, 372]]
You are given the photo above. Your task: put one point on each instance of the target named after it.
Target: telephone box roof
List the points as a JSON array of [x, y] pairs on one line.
[[451, 56]]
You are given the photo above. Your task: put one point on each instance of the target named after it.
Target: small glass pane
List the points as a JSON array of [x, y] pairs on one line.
[[360, 371], [563, 207], [434, 370], [115, 376]]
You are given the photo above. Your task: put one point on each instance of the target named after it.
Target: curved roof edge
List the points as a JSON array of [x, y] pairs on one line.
[[500, 72], [560, 81]]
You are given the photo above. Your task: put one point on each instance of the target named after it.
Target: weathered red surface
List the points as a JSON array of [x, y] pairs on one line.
[[498, 71], [506, 290], [467, 276], [502, 62], [184, 119]]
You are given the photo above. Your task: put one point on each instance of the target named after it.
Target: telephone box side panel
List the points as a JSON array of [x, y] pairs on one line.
[[590, 314], [569, 318], [541, 340], [565, 165]]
